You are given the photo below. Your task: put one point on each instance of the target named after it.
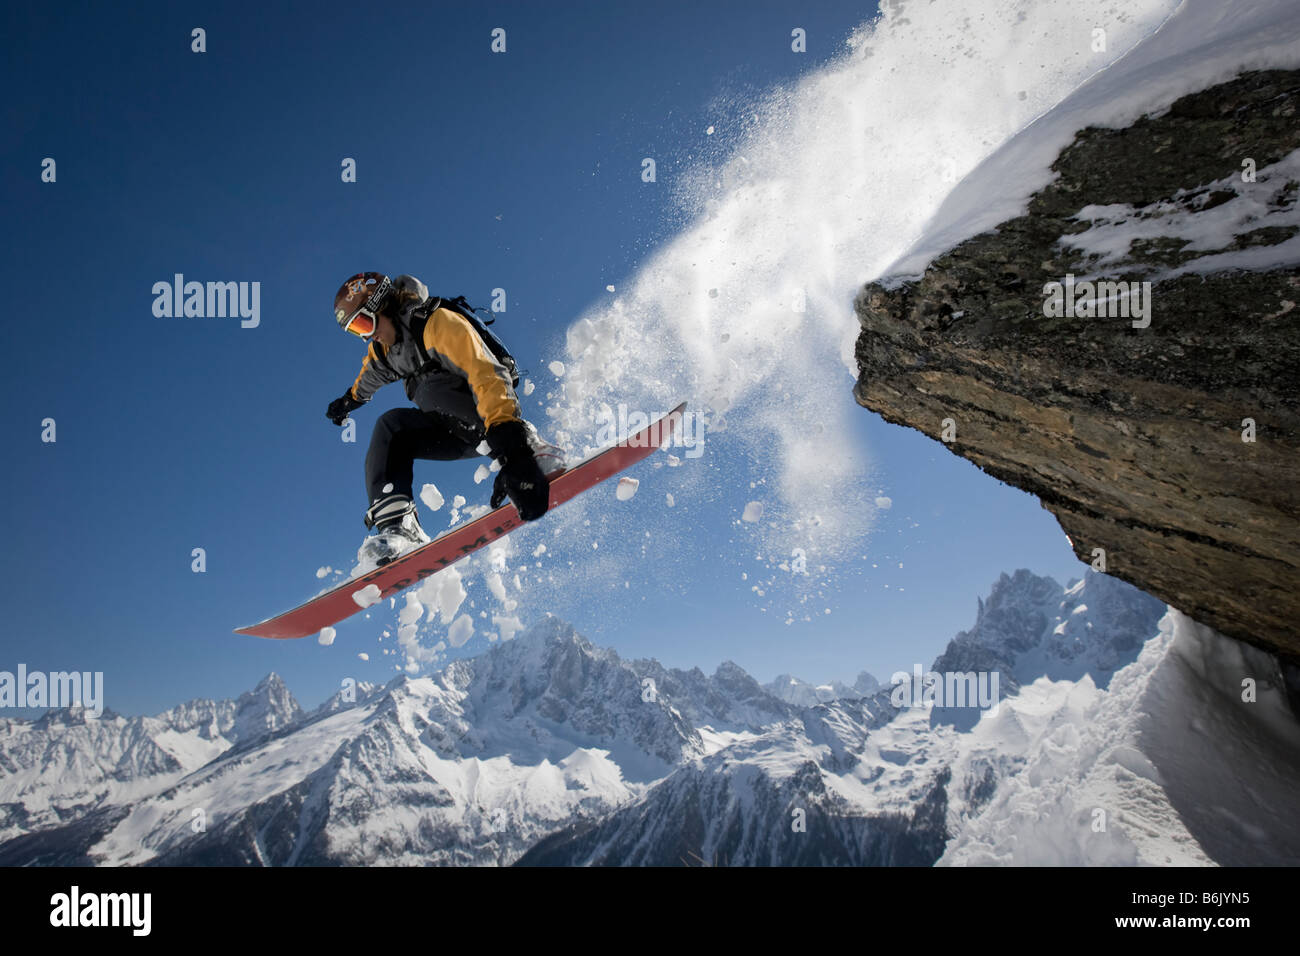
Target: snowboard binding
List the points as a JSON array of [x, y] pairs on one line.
[[397, 531]]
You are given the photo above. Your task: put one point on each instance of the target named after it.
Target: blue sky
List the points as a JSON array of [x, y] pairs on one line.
[[475, 171]]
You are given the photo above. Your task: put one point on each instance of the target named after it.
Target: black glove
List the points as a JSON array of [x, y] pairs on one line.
[[341, 407], [520, 477], [499, 493]]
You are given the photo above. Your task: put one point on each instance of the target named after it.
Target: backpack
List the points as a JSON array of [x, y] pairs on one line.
[[420, 316]]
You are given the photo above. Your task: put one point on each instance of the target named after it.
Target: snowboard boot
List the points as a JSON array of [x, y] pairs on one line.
[[397, 531]]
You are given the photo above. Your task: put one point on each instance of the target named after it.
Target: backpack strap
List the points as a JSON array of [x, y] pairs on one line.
[[494, 344], [419, 319], [461, 305]]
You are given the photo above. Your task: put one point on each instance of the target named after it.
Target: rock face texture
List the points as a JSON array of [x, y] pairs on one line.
[[1136, 438]]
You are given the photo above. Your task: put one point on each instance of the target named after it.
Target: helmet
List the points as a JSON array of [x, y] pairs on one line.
[[359, 300]]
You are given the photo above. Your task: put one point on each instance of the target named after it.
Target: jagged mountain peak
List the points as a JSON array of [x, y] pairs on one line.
[[866, 683], [548, 630], [736, 679], [72, 716], [1031, 627], [1019, 588], [802, 693], [267, 708], [1011, 619]]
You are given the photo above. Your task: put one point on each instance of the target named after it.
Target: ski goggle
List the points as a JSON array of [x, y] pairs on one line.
[[362, 325]]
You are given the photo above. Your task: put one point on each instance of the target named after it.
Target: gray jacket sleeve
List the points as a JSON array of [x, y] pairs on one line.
[[371, 378]]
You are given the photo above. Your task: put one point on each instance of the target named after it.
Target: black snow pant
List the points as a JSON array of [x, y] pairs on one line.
[[405, 434]]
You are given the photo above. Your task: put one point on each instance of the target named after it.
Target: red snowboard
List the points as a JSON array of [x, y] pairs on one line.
[[336, 604]]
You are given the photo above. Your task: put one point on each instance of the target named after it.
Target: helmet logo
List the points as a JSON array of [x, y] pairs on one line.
[[338, 314], [357, 286]]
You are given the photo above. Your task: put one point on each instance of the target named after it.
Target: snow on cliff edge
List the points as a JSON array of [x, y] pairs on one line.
[[1203, 43], [1170, 767]]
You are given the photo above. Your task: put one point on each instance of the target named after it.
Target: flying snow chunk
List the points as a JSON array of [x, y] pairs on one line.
[[609, 288], [460, 631], [884, 503], [413, 611], [709, 131], [443, 593], [669, 499], [327, 636], [480, 473], [364, 656], [528, 386], [753, 511], [432, 497], [458, 501], [557, 369], [626, 488], [368, 595], [509, 626], [321, 572]]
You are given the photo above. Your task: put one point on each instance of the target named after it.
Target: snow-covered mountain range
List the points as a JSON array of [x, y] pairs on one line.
[[58, 767], [792, 690], [1121, 736]]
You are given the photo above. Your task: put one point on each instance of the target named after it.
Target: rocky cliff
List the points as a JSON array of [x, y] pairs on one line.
[[1168, 440]]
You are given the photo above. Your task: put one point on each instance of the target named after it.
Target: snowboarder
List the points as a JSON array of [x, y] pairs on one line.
[[464, 393]]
